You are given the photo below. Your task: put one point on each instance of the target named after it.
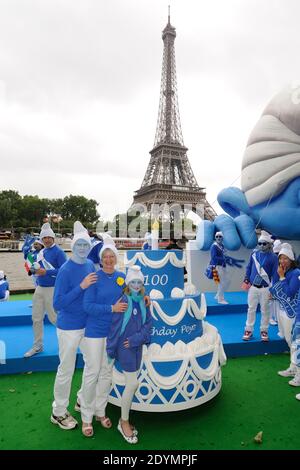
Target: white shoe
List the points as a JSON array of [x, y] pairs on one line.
[[289, 372], [223, 302], [33, 351], [295, 382], [130, 439], [66, 422], [298, 396]]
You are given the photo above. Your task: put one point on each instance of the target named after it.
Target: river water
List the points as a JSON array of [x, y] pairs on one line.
[[12, 263]]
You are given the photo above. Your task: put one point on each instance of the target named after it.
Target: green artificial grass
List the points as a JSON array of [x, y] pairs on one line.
[[253, 398], [20, 297]]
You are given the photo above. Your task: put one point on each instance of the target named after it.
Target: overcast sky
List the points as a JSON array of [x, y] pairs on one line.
[[80, 82]]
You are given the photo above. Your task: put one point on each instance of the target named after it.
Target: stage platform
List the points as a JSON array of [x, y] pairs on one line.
[[16, 334]]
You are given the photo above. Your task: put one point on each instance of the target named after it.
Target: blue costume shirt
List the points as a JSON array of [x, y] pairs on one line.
[[56, 257], [146, 246], [268, 261], [68, 295], [98, 300], [217, 255], [291, 283], [3, 288]]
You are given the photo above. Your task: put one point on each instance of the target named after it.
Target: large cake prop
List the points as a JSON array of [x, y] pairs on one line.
[[182, 366]]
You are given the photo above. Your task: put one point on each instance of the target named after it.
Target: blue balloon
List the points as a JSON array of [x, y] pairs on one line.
[[205, 235]]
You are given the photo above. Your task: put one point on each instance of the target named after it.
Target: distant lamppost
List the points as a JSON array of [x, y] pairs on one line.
[[57, 218], [53, 218]]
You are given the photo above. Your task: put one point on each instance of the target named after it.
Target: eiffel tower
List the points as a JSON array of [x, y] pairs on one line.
[[169, 178]]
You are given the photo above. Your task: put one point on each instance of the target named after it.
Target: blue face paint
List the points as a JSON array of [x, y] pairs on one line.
[[263, 246], [135, 285], [81, 250]]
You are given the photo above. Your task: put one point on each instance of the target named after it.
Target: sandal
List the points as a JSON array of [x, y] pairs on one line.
[[104, 421], [130, 439], [87, 430]]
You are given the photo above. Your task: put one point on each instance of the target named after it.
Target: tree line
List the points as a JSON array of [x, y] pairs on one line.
[[28, 213]]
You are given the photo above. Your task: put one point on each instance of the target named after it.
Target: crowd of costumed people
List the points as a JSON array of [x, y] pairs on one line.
[[110, 315], [80, 296]]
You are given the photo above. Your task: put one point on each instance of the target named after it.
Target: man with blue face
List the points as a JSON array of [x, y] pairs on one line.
[[74, 277]]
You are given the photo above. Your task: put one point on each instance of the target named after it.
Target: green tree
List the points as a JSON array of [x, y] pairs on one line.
[[10, 204], [29, 211], [32, 211], [80, 208]]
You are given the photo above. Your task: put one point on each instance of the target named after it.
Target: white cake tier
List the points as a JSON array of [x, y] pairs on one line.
[[163, 269], [176, 376]]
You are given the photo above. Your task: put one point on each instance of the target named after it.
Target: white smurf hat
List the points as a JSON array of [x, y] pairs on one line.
[[80, 233], [108, 243], [46, 231], [1, 274], [277, 246], [134, 272], [147, 236], [38, 240], [265, 237], [287, 250]]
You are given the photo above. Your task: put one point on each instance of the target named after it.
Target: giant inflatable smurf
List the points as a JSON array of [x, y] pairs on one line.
[[269, 197]]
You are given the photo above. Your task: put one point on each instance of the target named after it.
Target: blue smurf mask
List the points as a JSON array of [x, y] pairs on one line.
[[135, 286], [81, 250]]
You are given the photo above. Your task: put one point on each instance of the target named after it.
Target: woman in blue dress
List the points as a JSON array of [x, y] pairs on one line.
[[128, 334]]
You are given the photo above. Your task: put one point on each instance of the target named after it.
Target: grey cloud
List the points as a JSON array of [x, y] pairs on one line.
[[79, 84]]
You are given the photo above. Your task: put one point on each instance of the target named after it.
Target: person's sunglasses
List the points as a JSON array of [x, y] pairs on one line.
[[219, 237], [262, 243]]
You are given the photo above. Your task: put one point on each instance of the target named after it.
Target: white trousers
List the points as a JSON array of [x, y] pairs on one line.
[[96, 379], [224, 282], [131, 385], [68, 343], [42, 302], [274, 306], [258, 296], [285, 326]]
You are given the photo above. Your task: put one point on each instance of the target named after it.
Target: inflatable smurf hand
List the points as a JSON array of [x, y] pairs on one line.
[[270, 177], [238, 227], [237, 263]]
